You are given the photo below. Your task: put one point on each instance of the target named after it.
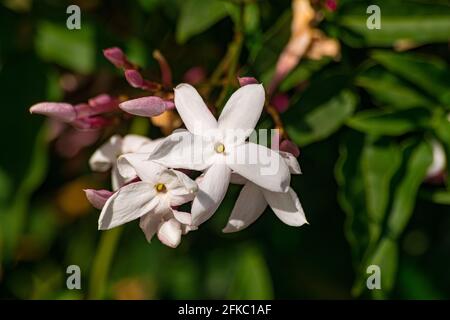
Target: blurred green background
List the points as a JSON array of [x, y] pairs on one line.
[[364, 123]]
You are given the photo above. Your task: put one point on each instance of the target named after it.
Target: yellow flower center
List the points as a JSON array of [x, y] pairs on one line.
[[220, 148], [160, 187]]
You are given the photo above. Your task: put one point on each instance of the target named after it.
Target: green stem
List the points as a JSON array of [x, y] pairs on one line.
[[102, 262]]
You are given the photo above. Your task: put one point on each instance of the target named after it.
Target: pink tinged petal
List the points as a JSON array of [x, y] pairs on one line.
[[242, 111], [248, 208], [133, 142], [260, 165], [170, 105], [195, 75], [183, 150], [145, 106], [289, 146], [169, 233], [212, 190], [137, 164], [286, 207], [128, 203], [106, 155], [243, 81], [193, 111], [291, 161], [149, 223], [182, 217], [98, 198], [61, 111], [280, 102]]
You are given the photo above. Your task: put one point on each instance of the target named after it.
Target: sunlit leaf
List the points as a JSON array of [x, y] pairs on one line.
[[400, 21], [429, 73], [73, 49], [391, 123], [197, 16]]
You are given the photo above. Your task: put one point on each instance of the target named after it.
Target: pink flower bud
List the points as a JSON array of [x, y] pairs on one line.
[[101, 99], [134, 78], [169, 104], [145, 106], [243, 81], [289, 146], [331, 5], [91, 123], [98, 198], [61, 111], [195, 75], [280, 102], [116, 56]]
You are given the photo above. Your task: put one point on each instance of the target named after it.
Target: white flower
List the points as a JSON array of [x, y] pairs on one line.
[[219, 147], [104, 158], [152, 200], [253, 200]]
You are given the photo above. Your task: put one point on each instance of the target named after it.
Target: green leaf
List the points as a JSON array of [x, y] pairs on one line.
[[321, 110], [428, 73], [380, 160], [385, 257], [197, 16], [351, 194], [419, 22], [73, 49], [390, 90], [391, 123], [417, 158], [323, 120]]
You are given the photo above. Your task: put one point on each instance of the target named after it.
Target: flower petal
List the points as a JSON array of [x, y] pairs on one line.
[[128, 203], [182, 217], [212, 190], [137, 164], [286, 206], [237, 179], [106, 155], [149, 224], [181, 188], [194, 112], [117, 180], [133, 142], [291, 161], [248, 208], [183, 150], [169, 233], [260, 165], [98, 198], [242, 111]]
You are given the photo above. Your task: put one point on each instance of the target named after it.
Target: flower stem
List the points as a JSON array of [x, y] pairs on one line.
[[102, 262]]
